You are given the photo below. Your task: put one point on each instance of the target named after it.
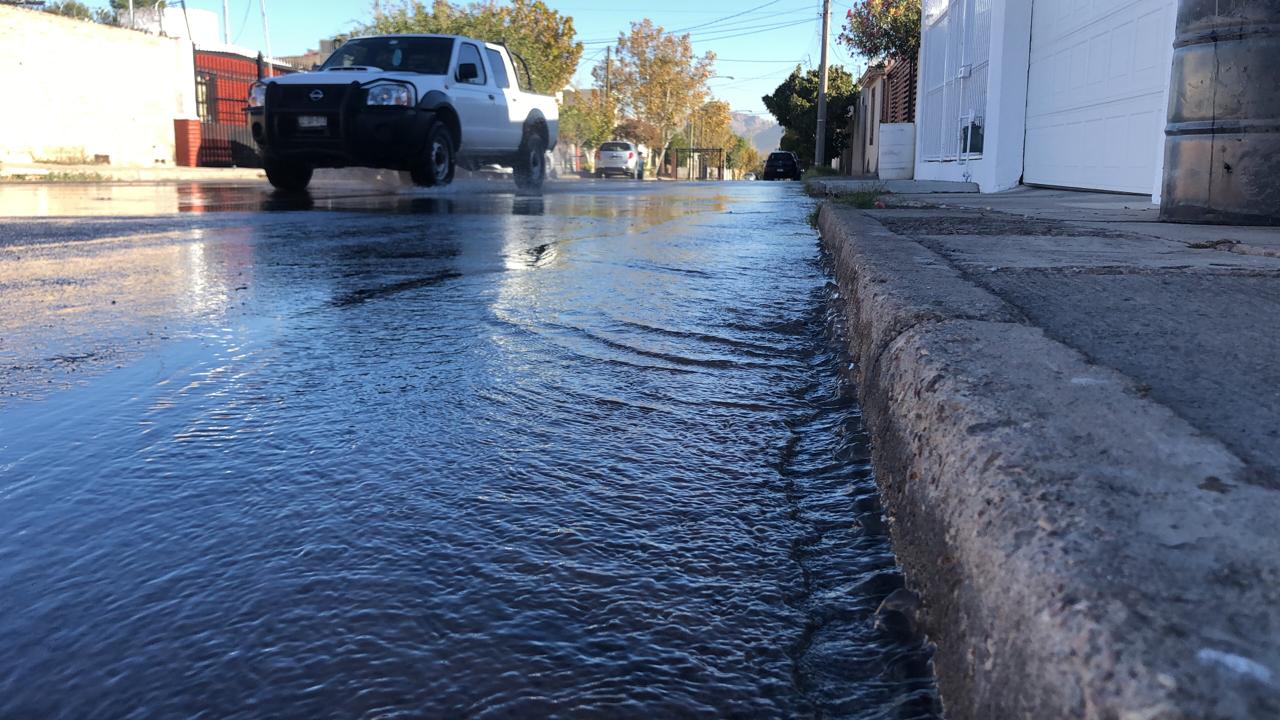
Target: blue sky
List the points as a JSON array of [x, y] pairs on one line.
[[757, 47]]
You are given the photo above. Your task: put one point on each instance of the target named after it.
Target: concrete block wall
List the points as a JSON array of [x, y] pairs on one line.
[[76, 91]]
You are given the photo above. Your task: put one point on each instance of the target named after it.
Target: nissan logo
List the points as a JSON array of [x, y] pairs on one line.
[[317, 95]]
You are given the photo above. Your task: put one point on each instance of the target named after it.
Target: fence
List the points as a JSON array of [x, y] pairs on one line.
[[222, 91], [956, 48], [900, 92]]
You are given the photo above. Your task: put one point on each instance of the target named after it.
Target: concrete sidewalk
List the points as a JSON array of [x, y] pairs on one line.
[[49, 172], [1076, 412]]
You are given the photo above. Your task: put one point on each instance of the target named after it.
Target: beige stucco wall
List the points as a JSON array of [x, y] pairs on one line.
[[73, 90]]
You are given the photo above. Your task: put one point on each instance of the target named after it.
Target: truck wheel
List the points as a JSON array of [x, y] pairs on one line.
[[531, 164], [286, 175], [435, 168]]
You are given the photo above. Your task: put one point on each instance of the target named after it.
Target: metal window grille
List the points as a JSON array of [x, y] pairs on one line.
[[222, 90], [956, 52]]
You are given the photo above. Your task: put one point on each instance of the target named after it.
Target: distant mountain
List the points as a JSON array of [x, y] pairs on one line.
[[761, 130]]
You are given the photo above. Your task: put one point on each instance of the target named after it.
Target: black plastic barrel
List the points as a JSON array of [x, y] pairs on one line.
[[1222, 152]]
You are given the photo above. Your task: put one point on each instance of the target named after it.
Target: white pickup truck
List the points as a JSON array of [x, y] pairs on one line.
[[421, 103]]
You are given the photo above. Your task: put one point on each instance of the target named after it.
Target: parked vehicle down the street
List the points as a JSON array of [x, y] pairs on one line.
[[749, 176], [619, 157], [782, 164], [421, 103]]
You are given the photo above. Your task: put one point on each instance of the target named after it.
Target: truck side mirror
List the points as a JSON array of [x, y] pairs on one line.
[[468, 72]]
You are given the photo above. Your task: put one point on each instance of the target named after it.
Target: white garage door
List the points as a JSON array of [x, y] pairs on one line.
[[1096, 95]]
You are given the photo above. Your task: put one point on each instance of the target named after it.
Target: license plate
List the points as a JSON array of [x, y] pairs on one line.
[[312, 122]]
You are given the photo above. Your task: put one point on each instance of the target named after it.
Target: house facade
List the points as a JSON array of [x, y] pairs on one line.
[[880, 126], [1062, 93]]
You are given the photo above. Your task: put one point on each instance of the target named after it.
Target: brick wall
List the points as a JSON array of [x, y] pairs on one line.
[[186, 135]]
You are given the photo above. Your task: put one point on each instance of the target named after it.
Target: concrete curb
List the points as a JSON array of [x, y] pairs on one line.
[[1081, 551], [839, 184]]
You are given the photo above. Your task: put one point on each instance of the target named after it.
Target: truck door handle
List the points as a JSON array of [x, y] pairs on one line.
[[491, 97]]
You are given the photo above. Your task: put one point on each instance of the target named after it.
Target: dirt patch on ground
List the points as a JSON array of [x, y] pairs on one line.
[[990, 224]]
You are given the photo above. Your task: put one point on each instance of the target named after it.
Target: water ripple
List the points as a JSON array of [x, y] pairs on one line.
[[577, 465]]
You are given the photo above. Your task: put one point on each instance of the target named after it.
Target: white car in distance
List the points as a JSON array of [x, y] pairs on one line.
[[619, 157]]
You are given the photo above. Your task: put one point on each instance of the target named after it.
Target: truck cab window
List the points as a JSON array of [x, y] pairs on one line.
[[468, 53], [499, 68]]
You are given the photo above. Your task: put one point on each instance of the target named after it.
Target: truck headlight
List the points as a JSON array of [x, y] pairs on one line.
[[257, 95], [390, 95]]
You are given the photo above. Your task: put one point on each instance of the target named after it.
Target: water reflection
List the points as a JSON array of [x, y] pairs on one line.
[[44, 200]]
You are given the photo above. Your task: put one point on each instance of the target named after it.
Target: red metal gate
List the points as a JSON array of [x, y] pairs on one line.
[[222, 89]]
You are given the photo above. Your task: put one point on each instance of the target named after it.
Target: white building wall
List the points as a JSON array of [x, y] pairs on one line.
[[76, 90], [199, 26], [1001, 164]]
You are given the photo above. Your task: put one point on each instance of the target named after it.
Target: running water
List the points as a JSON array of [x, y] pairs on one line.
[[588, 455]]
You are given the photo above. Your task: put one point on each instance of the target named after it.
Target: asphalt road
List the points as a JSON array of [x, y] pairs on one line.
[[376, 452]]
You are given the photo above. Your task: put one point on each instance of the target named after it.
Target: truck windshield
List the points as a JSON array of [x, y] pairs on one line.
[[426, 55]]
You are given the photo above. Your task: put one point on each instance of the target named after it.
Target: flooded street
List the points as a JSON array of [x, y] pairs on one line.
[[402, 455]]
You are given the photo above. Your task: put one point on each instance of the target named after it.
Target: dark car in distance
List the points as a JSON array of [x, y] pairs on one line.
[[782, 164]]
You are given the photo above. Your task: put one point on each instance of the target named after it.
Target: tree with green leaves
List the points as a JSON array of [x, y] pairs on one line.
[[79, 11], [586, 123], [881, 29], [743, 156], [656, 78], [794, 104], [540, 35], [70, 8]]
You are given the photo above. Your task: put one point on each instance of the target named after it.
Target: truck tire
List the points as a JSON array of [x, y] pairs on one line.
[[435, 167], [531, 163], [286, 175]]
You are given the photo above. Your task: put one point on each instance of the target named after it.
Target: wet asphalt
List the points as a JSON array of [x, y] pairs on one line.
[[379, 452]]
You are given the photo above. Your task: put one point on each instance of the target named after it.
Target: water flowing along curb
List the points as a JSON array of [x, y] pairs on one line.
[[1081, 551]]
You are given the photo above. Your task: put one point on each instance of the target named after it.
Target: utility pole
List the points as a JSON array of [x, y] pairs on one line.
[[608, 72], [266, 38], [226, 24], [820, 146]]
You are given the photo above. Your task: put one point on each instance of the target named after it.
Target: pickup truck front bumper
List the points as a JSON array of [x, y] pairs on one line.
[[351, 134]]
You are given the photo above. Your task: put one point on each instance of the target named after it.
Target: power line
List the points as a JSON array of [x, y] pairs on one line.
[[243, 21], [762, 29], [746, 81], [726, 17], [744, 24], [775, 62]]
